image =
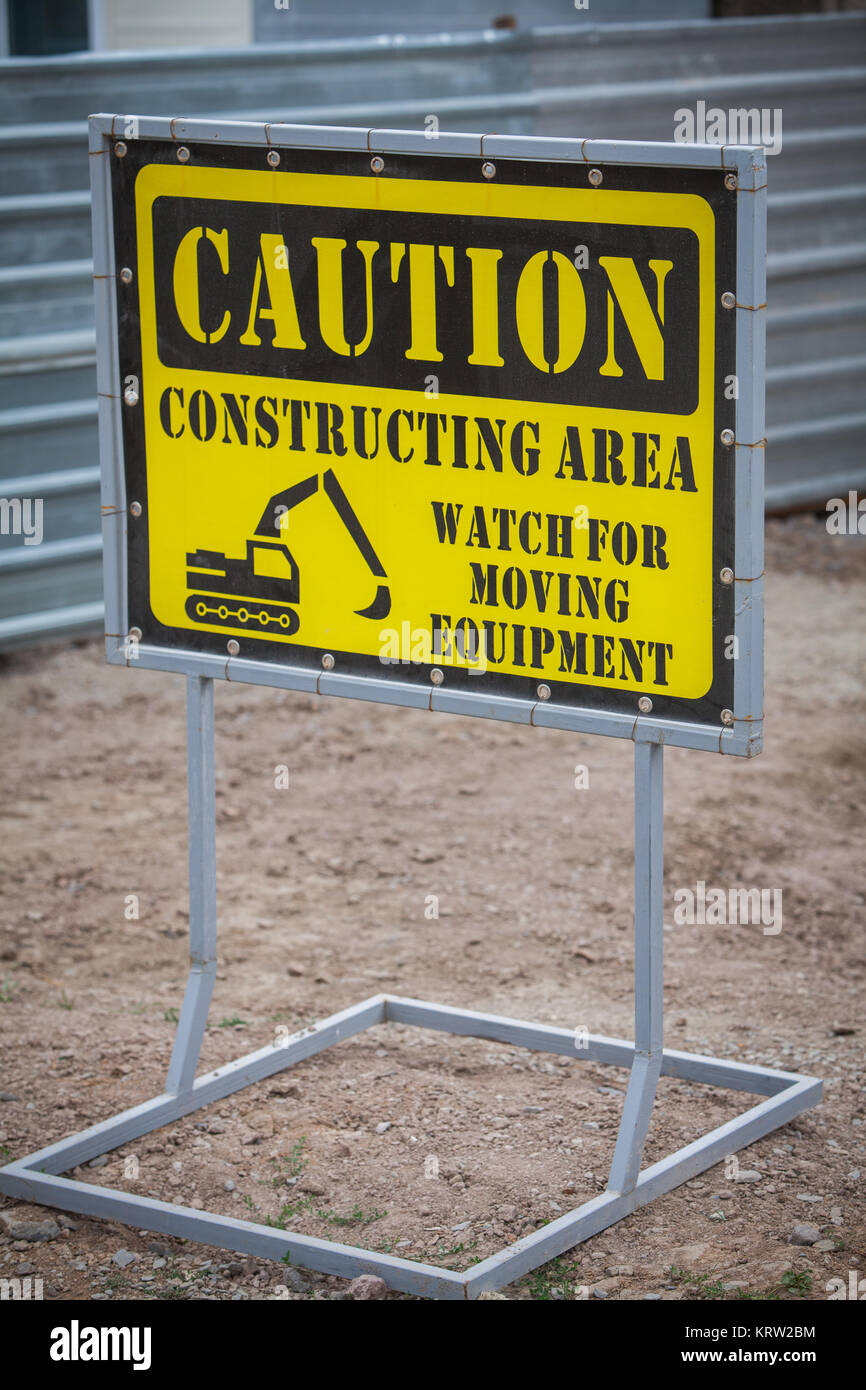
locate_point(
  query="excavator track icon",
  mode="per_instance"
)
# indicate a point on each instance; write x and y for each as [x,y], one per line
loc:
[235,592]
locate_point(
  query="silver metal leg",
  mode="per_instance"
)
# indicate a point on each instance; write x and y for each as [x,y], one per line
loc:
[202,884]
[648,965]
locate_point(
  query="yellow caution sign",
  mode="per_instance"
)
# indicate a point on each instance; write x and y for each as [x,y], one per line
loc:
[435,421]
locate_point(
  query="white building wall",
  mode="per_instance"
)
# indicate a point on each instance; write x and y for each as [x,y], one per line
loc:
[136,24]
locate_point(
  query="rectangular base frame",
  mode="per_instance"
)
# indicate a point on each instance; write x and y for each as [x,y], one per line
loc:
[38,1177]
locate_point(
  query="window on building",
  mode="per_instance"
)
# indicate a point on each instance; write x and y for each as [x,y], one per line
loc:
[42,28]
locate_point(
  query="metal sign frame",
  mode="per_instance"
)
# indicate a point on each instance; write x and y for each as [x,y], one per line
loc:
[38,1177]
[744,167]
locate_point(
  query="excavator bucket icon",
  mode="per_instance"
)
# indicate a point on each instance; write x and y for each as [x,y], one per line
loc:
[255,591]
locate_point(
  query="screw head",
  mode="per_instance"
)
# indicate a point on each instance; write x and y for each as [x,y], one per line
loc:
[273,158]
[135,509]
[130,395]
[726,575]
[731,182]
[488,170]
[135,634]
[544,692]
[120,149]
[727,437]
[232,647]
[436,676]
[644,704]
[729,300]
[126,275]
[182,153]
[377,164]
[327,662]
[727,716]
[595,177]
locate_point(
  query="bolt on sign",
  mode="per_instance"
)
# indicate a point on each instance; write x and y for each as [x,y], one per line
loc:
[461,423]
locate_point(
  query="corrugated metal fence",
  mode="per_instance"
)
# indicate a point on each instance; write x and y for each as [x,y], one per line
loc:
[611,81]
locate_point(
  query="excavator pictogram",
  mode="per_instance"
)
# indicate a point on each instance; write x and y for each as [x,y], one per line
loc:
[255,591]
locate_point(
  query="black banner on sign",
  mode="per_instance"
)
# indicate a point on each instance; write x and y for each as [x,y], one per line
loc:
[510,309]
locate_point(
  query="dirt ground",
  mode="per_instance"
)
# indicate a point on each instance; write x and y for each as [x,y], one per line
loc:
[440,1149]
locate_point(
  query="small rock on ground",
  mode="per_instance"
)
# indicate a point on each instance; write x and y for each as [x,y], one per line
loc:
[367,1287]
[295,1281]
[21,1228]
[804,1235]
